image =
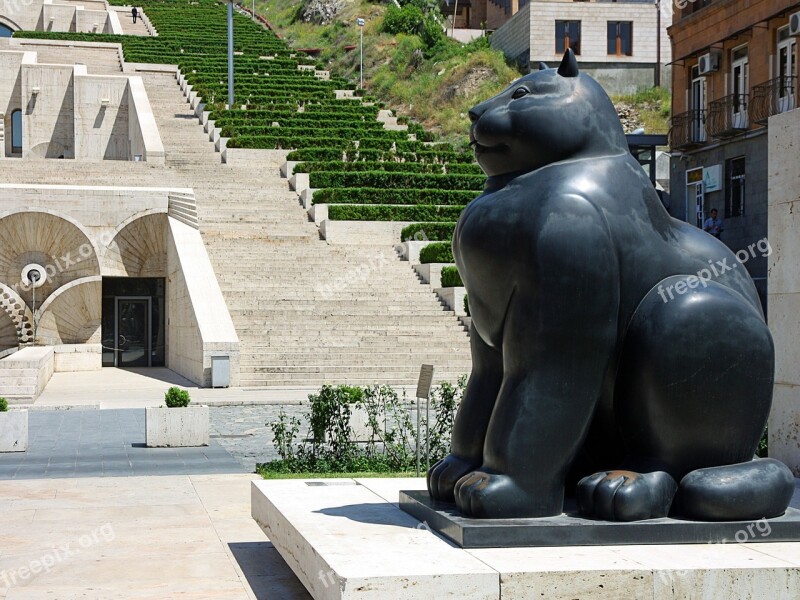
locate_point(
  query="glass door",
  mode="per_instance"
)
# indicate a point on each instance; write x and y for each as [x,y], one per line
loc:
[739,78]
[133,332]
[786,70]
[698,106]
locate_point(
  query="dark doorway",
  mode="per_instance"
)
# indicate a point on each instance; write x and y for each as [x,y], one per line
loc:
[134,329]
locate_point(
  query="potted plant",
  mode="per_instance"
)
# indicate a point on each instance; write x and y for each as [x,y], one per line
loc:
[13,429]
[177,424]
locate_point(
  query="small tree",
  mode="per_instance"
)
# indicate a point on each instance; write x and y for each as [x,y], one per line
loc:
[176,398]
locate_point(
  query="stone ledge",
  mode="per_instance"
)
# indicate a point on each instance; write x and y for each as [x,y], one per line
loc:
[348,539]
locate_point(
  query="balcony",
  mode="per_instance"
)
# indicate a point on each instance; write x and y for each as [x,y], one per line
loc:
[773,98]
[688,130]
[728,117]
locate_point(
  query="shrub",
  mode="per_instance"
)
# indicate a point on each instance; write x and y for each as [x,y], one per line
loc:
[451,277]
[402,20]
[422,212]
[3,405]
[440,252]
[176,398]
[466,305]
[428,232]
[391,431]
[393,196]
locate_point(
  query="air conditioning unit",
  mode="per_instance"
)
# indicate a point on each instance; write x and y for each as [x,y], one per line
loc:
[709,63]
[794,24]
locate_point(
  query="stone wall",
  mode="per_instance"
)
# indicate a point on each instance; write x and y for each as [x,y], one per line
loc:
[199,325]
[48,110]
[101,118]
[514,37]
[784,285]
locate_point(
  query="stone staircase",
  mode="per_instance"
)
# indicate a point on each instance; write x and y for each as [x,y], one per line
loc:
[98,61]
[128,26]
[307,313]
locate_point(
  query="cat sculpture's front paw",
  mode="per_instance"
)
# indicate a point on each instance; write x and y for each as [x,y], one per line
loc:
[626,496]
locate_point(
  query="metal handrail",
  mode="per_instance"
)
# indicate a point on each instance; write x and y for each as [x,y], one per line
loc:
[773,97]
[688,129]
[728,116]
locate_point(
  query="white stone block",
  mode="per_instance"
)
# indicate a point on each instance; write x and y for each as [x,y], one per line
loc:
[410,250]
[344,541]
[454,298]
[176,427]
[14,431]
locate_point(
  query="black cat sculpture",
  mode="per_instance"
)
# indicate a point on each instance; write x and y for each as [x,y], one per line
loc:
[613,346]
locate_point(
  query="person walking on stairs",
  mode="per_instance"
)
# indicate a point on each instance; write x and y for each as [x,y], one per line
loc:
[135,13]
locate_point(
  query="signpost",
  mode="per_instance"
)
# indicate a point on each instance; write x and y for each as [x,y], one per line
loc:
[424,392]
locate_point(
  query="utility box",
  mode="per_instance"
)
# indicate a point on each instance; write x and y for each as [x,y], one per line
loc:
[220,371]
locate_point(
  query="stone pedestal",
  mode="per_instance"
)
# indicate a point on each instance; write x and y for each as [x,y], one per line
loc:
[349,539]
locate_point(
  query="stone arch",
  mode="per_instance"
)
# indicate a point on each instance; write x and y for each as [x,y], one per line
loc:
[72,314]
[12,25]
[139,247]
[56,242]
[20,314]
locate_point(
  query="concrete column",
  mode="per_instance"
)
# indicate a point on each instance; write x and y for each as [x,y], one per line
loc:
[784,286]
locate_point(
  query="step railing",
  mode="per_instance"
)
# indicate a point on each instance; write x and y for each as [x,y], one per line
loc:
[183,207]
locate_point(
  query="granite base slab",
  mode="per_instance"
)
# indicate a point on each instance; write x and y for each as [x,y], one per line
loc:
[569,529]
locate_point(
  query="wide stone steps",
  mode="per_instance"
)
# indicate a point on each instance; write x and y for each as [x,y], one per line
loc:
[307,313]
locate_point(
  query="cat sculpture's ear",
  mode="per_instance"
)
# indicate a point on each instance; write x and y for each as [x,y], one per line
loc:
[569,65]
[543,66]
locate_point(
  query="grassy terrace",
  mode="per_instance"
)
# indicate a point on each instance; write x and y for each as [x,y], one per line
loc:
[362,170]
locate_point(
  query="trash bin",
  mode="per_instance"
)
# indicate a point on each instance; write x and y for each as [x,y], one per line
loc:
[220,371]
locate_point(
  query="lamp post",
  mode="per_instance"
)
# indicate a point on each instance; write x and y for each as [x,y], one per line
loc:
[230,54]
[361,47]
[658,43]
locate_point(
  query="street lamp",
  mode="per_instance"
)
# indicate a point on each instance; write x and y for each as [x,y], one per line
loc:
[230,54]
[361,23]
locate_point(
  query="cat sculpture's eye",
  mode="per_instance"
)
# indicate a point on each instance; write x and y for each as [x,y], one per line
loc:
[520,92]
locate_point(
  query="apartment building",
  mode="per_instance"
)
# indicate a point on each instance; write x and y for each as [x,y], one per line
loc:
[734,66]
[624,44]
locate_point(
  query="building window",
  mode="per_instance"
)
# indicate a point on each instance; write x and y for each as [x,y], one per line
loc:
[568,35]
[620,38]
[735,176]
[16,131]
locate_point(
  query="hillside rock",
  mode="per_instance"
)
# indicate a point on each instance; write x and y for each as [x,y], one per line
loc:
[321,12]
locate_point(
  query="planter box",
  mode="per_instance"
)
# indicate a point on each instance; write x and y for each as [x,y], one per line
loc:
[14,431]
[176,427]
[454,298]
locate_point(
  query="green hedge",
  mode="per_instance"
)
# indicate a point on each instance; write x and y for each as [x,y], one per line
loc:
[392,196]
[383,179]
[393,213]
[451,277]
[428,231]
[439,252]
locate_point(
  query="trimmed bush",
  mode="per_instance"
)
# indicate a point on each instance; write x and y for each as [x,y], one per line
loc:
[428,232]
[451,277]
[466,305]
[3,405]
[383,179]
[440,252]
[394,197]
[176,398]
[421,212]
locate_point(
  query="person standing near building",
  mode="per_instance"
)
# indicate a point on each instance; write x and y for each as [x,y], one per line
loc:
[135,13]
[713,225]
